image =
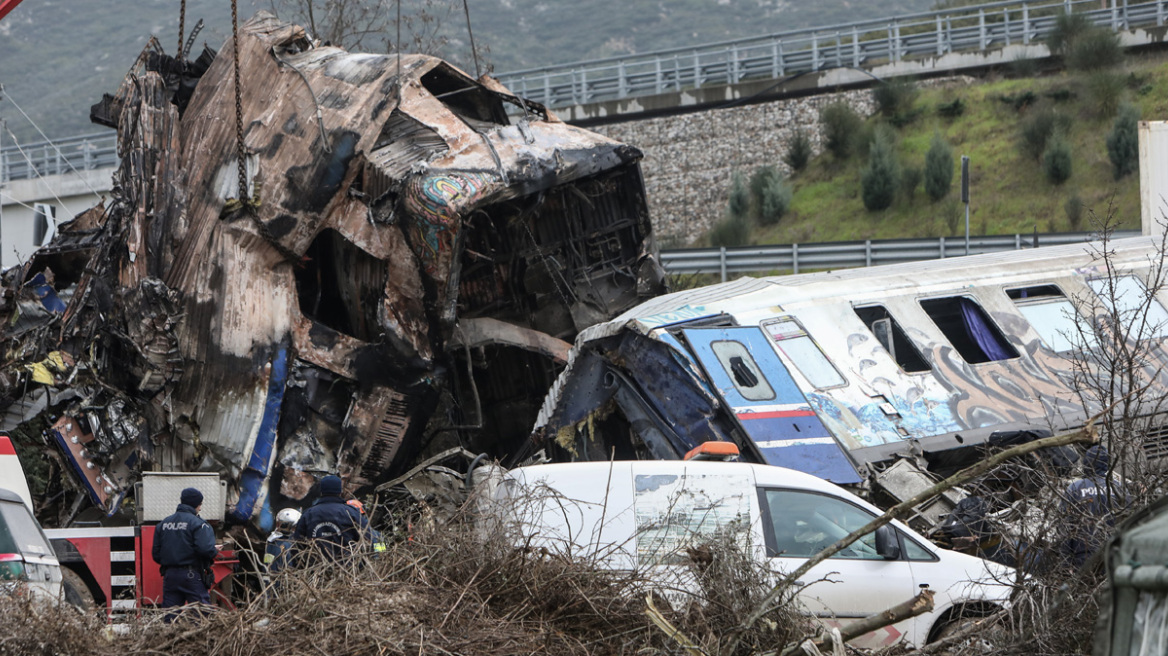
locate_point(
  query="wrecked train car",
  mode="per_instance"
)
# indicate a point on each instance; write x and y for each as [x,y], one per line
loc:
[865,376]
[407,253]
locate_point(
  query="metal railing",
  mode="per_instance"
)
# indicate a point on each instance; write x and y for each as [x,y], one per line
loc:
[41,158]
[963,29]
[853,254]
[932,34]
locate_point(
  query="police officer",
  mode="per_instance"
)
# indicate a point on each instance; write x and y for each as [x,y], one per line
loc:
[1090,503]
[184,545]
[331,524]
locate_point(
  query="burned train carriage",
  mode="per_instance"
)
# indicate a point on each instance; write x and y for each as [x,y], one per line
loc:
[408,252]
[840,374]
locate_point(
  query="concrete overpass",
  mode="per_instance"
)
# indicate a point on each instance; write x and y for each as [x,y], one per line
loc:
[42,183]
[812,61]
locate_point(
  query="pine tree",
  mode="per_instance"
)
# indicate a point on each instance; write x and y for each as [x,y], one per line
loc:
[882,175]
[1123,142]
[938,168]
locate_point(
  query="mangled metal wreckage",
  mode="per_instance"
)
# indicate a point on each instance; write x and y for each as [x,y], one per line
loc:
[408,263]
[882,378]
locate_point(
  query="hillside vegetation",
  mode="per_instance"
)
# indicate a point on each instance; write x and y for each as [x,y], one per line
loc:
[988,119]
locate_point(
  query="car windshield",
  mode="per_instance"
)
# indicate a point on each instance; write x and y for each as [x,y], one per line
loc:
[19,532]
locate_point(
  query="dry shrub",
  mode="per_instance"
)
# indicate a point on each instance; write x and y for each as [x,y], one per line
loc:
[732,585]
[447,588]
[34,628]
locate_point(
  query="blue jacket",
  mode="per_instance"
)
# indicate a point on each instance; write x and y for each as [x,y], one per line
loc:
[334,525]
[183,540]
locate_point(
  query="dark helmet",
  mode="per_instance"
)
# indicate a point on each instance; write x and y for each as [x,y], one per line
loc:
[1097,461]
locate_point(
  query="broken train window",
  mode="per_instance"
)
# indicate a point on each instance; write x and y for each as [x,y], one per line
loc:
[558,260]
[1053,317]
[794,342]
[473,103]
[748,378]
[893,338]
[1133,305]
[969,329]
[341,286]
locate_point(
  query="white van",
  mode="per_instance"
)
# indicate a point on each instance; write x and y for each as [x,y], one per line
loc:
[640,515]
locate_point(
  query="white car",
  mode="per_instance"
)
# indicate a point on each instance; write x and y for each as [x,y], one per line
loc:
[640,515]
[28,564]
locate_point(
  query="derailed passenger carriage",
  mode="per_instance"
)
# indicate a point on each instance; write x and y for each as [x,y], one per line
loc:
[865,376]
[408,255]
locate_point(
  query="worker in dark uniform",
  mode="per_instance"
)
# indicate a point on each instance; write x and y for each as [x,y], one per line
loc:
[184,546]
[331,524]
[1089,504]
[279,547]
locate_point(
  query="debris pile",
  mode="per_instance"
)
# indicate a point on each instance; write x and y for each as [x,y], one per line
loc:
[325,268]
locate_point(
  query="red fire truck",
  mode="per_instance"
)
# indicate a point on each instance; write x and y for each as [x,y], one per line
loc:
[110,567]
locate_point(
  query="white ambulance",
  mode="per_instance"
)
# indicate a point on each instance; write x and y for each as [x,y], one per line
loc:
[28,564]
[641,515]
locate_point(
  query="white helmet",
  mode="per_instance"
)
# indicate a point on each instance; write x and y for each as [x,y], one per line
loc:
[288,516]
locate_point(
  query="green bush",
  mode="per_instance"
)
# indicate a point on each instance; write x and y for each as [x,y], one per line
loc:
[739,197]
[776,200]
[895,98]
[1074,210]
[840,125]
[951,109]
[881,177]
[938,168]
[1123,143]
[1037,127]
[759,180]
[910,179]
[1056,159]
[798,152]
[731,231]
[1096,49]
[1067,29]
[1104,93]
[904,118]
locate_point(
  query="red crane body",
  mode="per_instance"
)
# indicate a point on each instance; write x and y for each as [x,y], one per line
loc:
[7,6]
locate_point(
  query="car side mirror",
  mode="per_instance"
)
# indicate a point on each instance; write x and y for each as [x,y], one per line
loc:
[887,546]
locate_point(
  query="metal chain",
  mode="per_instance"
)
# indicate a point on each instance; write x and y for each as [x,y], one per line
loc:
[182,23]
[241,151]
[473,50]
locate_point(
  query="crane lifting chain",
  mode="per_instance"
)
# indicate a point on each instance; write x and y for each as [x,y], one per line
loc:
[182,23]
[241,201]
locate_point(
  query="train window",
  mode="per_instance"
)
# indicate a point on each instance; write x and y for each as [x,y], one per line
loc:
[1053,317]
[892,337]
[804,353]
[1135,306]
[969,329]
[744,372]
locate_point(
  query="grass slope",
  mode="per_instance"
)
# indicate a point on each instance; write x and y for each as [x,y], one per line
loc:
[1009,191]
